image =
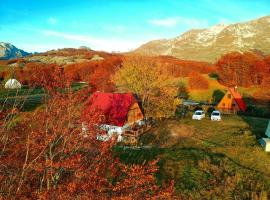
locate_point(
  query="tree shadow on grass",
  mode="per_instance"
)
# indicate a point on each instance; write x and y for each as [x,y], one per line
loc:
[190,155]
[256,125]
[186,166]
[217,95]
[29,103]
[256,116]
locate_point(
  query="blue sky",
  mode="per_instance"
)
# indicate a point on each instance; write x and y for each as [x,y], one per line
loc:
[114,25]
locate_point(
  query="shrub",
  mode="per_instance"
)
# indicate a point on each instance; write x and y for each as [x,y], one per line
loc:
[256,111]
[197,82]
[213,75]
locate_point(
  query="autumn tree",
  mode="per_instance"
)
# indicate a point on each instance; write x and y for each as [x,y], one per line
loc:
[101,79]
[262,96]
[197,82]
[242,69]
[266,80]
[37,74]
[174,67]
[182,91]
[141,76]
[80,71]
[97,73]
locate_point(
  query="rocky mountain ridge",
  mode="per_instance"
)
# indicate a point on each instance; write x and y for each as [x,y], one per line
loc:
[210,43]
[8,51]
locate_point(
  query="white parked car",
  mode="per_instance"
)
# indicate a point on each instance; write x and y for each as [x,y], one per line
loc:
[215,116]
[198,115]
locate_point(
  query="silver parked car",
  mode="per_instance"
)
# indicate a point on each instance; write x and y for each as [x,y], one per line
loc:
[198,115]
[215,116]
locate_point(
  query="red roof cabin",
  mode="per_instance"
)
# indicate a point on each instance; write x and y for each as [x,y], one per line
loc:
[117,110]
[232,102]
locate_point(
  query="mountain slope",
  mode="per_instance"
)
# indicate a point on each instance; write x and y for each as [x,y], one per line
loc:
[8,51]
[209,44]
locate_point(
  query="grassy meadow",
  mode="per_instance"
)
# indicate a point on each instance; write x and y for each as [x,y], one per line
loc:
[189,149]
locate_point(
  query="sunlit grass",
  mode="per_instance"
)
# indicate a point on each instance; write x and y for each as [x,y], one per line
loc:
[232,140]
[214,86]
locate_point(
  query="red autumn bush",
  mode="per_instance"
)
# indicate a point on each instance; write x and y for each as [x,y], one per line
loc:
[197,82]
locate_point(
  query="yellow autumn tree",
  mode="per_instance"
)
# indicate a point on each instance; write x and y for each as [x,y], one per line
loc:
[142,76]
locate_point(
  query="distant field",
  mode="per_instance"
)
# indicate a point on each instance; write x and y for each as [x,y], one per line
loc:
[181,145]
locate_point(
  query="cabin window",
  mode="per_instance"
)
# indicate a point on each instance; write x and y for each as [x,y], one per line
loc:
[223,104]
[229,96]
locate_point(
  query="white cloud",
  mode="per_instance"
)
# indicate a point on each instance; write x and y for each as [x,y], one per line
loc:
[38,47]
[179,21]
[52,21]
[193,23]
[115,28]
[168,22]
[95,42]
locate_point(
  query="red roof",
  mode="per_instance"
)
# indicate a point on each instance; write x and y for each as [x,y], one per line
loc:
[114,106]
[238,98]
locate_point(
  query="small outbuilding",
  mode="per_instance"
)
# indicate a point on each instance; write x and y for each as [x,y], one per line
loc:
[232,102]
[13,84]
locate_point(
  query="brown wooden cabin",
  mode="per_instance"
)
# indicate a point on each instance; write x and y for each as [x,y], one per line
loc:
[119,111]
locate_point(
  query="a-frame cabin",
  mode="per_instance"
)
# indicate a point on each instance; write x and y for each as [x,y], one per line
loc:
[232,102]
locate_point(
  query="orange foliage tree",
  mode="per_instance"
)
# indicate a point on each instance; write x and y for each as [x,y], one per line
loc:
[182,68]
[97,73]
[197,82]
[39,74]
[266,80]
[242,69]
[81,71]
[101,78]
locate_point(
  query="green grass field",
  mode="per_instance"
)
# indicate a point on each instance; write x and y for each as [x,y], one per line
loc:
[184,146]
